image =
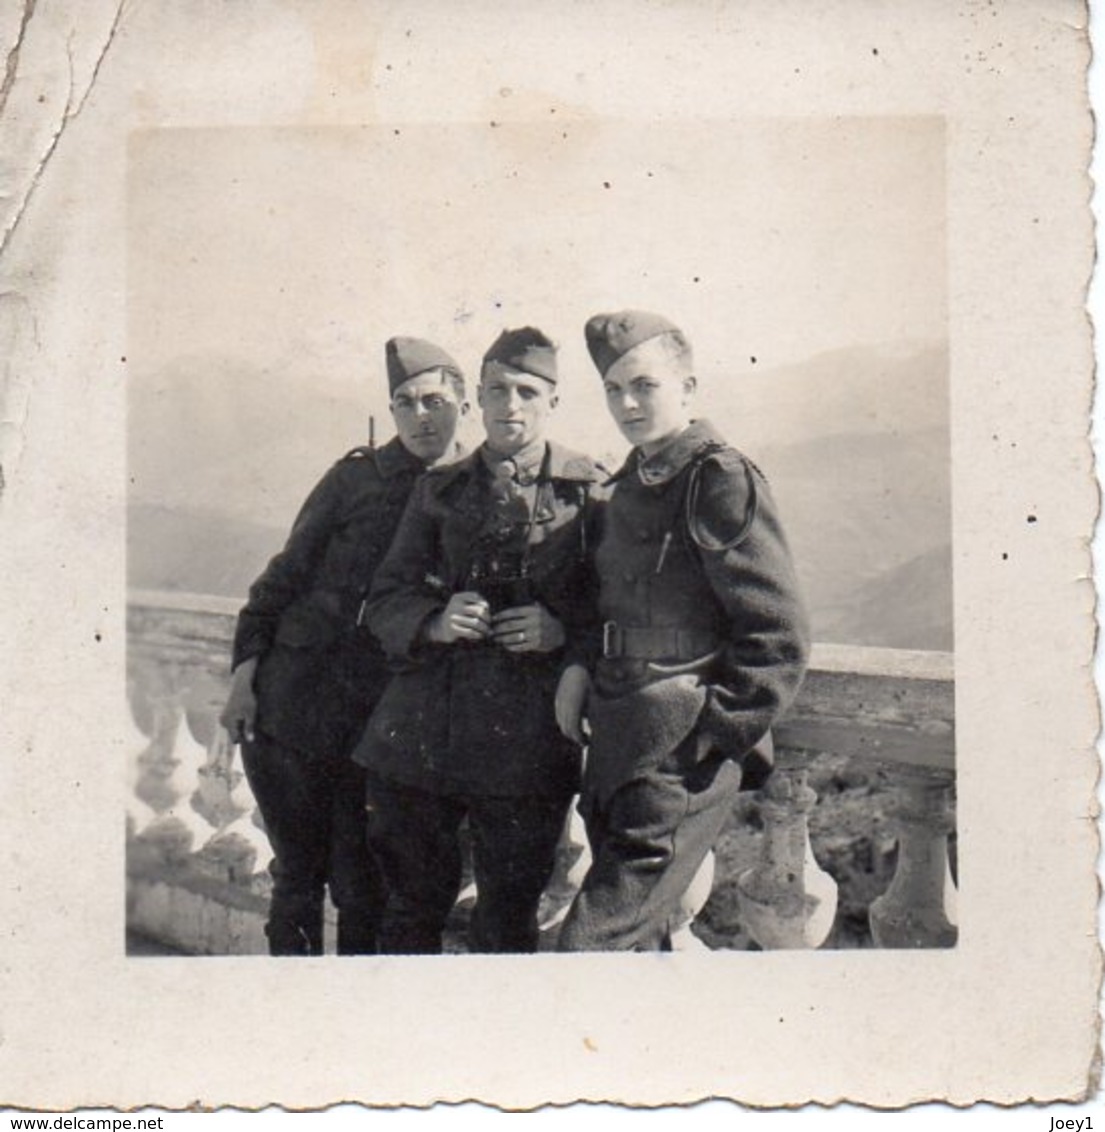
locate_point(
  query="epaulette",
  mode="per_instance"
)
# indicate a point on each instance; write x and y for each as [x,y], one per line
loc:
[726,457]
[360,453]
[582,468]
[567,464]
[736,458]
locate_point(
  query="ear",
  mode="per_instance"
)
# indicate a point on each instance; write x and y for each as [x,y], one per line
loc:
[463,407]
[554,400]
[479,394]
[690,386]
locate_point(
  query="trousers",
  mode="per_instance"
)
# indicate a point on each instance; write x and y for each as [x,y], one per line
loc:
[415,837]
[313,809]
[648,841]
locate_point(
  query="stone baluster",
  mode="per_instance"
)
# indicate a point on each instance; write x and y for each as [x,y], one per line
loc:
[139,814]
[692,902]
[163,710]
[573,859]
[218,798]
[787,900]
[241,846]
[918,909]
[244,804]
[180,829]
[192,879]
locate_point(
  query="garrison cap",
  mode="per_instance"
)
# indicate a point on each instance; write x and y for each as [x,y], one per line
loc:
[526,349]
[609,336]
[408,357]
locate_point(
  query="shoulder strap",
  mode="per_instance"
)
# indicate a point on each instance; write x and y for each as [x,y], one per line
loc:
[690,503]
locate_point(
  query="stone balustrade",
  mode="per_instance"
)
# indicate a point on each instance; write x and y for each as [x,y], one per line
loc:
[894,711]
[197,857]
[197,861]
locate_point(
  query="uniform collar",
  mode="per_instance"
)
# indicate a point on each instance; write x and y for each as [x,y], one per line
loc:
[564,464]
[561,464]
[395,458]
[666,464]
[523,467]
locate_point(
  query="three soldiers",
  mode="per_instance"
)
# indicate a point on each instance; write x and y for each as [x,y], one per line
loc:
[521,605]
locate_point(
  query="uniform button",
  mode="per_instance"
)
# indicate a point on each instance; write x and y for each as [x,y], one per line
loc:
[628,576]
[644,534]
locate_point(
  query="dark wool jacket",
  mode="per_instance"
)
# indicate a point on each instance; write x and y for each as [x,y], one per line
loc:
[319,674]
[471,717]
[692,544]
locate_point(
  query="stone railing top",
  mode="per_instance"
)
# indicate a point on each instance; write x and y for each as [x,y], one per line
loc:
[895,707]
[901,664]
[857,660]
[180,602]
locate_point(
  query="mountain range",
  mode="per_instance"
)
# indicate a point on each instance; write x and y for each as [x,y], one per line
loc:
[855,445]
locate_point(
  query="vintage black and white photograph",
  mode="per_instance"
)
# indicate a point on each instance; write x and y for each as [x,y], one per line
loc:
[552,556]
[628,602]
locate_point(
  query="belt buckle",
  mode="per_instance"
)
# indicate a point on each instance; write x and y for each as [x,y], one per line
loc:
[610,642]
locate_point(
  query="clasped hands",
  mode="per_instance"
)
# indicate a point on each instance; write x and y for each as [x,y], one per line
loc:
[522,628]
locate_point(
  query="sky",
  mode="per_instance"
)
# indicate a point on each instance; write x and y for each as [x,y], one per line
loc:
[303,250]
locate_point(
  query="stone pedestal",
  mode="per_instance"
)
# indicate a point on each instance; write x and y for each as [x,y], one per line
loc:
[918,909]
[787,900]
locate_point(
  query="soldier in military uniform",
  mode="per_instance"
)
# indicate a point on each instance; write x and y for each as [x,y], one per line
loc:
[307,673]
[487,580]
[705,642]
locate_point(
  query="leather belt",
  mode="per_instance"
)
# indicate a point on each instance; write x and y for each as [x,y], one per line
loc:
[635,643]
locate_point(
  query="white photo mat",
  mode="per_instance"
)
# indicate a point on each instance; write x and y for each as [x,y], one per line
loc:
[1009,1014]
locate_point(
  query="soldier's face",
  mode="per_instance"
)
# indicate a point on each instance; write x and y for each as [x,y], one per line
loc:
[426,411]
[649,399]
[516,407]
